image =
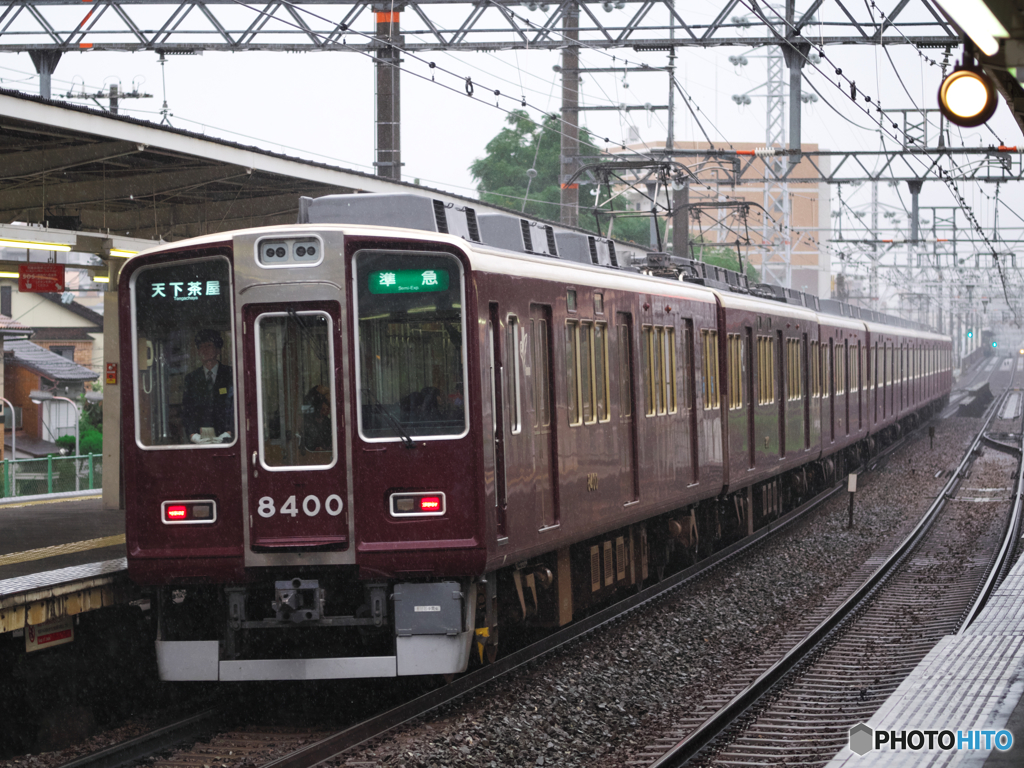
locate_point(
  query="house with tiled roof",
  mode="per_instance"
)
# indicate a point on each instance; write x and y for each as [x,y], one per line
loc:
[61,324]
[28,366]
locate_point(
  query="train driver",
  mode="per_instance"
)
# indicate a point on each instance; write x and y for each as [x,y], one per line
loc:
[318,427]
[208,410]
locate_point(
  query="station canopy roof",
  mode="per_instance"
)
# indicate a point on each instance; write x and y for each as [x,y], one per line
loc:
[76,169]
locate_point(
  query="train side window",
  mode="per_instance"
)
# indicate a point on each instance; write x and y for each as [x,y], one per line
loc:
[572,381]
[601,371]
[766,370]
[658,364]
[541,374]
[670,370]
[825,389]
[689,379]
[512,361]
[646,351]
[813,362]
[842,353]
[587,372]
[855,369]
[711,386]
[734,363]
[759,362]
[625,382]
[794,372]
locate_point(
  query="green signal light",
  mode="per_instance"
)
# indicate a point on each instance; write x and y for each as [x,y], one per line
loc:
[970,333]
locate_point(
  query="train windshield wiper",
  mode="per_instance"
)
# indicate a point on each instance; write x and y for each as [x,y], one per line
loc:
[378,408]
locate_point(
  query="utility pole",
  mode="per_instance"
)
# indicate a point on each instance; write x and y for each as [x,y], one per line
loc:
[875,256]
[570,192]
[795,55]
[387,64]
[45,63]
[775,233]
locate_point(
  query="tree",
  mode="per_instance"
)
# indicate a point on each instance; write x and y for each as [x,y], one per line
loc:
[504,179]
[503,174]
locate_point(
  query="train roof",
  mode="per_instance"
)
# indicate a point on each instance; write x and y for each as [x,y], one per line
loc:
[498,242]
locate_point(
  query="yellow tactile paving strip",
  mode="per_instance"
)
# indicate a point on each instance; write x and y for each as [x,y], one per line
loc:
[61,549]
[47,501]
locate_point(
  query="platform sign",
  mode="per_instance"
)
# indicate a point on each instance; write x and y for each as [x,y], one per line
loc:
[41,278]
[111,373]
[49,634]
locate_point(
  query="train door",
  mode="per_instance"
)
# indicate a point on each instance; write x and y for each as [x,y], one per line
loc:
[544,452]
[295,487]
[626,369]
[497,418]
[751,431]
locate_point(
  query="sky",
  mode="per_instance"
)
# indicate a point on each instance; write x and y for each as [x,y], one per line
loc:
[321,106]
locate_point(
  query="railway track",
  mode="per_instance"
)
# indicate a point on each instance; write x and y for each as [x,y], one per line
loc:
[850,654]
[316,749]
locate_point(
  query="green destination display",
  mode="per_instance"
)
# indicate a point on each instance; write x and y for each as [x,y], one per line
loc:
[409,281]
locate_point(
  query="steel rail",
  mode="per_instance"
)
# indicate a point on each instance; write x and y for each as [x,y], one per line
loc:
[714,726]
[207,722]
[145,745]
[1004,559]
[380,724]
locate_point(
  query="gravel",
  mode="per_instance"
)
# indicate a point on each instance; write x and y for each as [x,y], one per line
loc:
[604,699]
[601,701]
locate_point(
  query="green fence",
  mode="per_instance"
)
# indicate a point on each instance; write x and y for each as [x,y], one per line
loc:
[54,474]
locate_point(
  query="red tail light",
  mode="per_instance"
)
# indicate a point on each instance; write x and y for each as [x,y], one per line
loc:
[430,503]
[189,512]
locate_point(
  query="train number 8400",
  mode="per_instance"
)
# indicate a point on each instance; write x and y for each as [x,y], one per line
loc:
[310,506]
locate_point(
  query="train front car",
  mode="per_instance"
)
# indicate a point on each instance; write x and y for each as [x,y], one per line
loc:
[299,484]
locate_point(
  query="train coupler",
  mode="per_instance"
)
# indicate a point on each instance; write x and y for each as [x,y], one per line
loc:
[298,600]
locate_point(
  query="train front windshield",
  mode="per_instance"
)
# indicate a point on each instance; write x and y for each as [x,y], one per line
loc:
[412,352]
[184,381]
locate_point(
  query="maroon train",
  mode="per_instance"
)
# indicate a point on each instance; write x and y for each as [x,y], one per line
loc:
[357,450]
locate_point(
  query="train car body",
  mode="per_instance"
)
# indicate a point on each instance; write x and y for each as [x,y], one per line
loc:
[357,451]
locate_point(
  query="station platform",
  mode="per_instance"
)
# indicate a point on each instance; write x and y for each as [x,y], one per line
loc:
[59,557]
[969,684]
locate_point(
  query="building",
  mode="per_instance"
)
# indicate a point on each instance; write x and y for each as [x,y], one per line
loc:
[61,324]
[27,367]
[798,255]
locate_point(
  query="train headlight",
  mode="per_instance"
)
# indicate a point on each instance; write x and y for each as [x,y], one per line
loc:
[967,96]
